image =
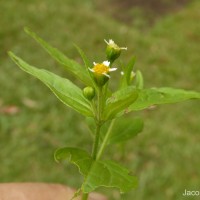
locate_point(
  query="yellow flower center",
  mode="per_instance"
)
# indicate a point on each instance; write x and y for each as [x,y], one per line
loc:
[101,69]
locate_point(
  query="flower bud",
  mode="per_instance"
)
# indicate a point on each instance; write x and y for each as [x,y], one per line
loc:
[113,51]
[89,93]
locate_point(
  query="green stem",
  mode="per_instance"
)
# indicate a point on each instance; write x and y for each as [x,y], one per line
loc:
[104,143]
[98,119]
[98,122]
[96,142]
[85,196]
[99,104]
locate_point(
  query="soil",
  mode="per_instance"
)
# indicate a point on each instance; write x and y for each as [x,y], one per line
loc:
[126,10]
[40,191]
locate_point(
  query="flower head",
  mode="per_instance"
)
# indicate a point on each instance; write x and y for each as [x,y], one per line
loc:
[113,51]
[101,72]
[112,44]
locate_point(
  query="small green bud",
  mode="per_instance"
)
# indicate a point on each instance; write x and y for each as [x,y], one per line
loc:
[89,93]
[113,51]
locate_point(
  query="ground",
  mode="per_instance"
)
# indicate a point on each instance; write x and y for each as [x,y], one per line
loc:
[126,10]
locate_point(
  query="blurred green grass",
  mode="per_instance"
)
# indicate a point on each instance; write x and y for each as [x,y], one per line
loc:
[165,156]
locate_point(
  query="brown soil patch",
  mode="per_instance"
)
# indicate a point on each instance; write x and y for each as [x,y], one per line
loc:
[40,191]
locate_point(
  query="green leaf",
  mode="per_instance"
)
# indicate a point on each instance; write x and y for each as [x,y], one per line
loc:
[139,82]
[119,101]
[77,156]
[86,62]
[64,89]
[84,57]
[127,70]
[76,69]
[108,174]
[156,96]
[97,173]
[125,130]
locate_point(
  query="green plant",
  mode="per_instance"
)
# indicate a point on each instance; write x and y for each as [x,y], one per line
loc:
[97,101]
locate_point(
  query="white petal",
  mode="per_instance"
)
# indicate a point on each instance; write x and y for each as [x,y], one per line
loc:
[106,75]
[124,48]
[112,69]
[111,41]
[122,73]
[94,63]
[91,69]
[106,63]
[106,42]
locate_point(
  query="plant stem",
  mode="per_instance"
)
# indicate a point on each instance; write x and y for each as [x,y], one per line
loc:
[96,142]
[98,122]
[98,113]
[99,104]
[85,196]
[103,145]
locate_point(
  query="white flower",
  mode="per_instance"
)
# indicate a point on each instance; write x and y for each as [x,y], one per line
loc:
[102,68]
[112,44]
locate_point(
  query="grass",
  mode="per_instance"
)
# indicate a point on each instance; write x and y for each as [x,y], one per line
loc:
[164,157]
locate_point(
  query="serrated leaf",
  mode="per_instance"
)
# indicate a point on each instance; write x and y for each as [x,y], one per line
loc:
[108,174]
[65,90]
[156,96]
[97,173]
[75,68]
[119,101]
[125,130]
[77,156]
